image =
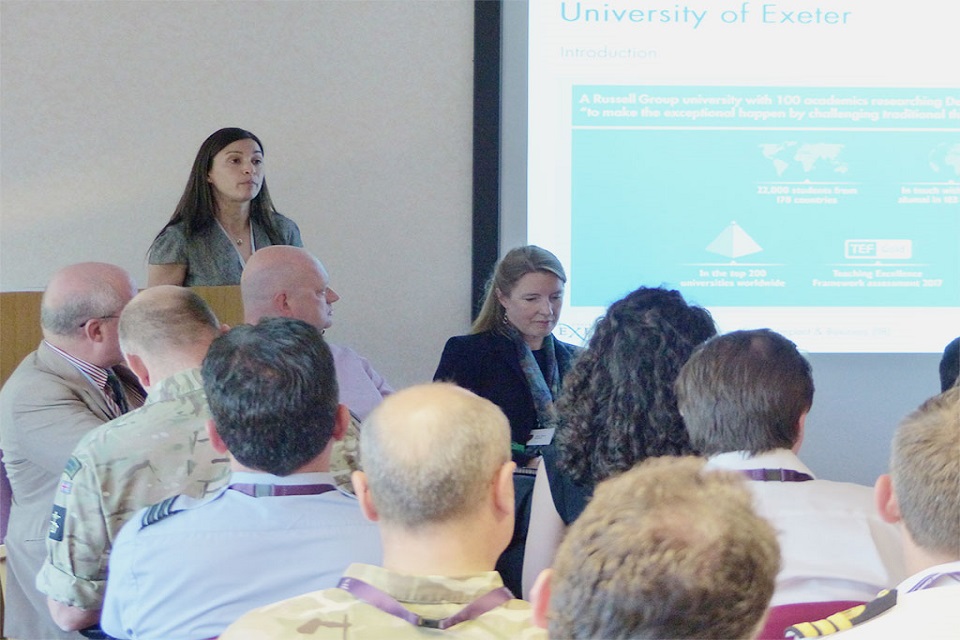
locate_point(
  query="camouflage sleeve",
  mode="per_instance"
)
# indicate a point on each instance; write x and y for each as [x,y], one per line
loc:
[345,457]
[75,569]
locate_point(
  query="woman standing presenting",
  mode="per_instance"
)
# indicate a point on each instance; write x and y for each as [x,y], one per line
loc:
[224,215]
[511,357]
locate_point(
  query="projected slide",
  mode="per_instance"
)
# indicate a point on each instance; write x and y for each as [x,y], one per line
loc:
[726,191]
[775,184]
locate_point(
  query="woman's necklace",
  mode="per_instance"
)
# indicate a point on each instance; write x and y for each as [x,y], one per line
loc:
[236,239]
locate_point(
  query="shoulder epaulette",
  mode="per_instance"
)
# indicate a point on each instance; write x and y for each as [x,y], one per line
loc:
[843,620]
[159,511]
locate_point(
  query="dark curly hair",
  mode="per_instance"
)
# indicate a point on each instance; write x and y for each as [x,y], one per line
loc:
[618,405]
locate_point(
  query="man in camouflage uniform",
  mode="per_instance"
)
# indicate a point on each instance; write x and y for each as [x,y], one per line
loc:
[438,480]
[144,456]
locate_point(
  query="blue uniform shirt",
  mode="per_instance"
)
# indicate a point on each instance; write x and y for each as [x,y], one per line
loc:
[192,573]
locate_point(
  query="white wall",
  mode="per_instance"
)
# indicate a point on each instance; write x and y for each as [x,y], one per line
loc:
[364,109]
[859,400]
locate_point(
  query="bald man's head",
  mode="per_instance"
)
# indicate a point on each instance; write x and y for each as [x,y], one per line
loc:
[80,307]
[430,453]
[288,282]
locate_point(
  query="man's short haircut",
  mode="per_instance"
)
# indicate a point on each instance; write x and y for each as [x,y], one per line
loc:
[439,468]
[925,468]
[174,321]
[744,391]
[97,300]
[950,365]
[665,550]
[273,393]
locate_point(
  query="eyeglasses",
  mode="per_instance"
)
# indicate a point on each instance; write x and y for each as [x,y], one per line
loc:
[84,323]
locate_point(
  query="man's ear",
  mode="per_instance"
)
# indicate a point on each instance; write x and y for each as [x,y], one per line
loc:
[503,489]
[93,331]
[886,499]
[280,303]
[362,490]
[801,425]
[139,368]
[341,422]
[215,440]
[540,598]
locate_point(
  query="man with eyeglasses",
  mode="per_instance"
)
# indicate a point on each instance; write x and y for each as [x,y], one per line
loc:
[72,383]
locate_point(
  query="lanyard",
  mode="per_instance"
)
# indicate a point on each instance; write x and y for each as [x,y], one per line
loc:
[269,490]
[777,475]
[385,602]
[933,577]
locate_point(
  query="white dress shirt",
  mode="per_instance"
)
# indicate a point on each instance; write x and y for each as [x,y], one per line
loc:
[833,544]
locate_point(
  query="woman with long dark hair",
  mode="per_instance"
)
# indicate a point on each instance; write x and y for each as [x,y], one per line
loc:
[224,215]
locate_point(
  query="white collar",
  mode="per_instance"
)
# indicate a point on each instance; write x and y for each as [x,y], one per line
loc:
[935,576]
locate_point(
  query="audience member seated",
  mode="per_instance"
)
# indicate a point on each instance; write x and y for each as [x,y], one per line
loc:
[921,495]
[288,282]
[665,550]
[950,365]
[617,408]
[512,359]
[438,481]
[72,383]
[187,568]
[744,397]
[224,215]
[142,457]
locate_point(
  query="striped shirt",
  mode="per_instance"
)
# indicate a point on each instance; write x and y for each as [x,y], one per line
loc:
[98,377]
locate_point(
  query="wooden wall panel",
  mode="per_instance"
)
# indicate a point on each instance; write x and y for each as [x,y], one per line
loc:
[20,321]
[19,328]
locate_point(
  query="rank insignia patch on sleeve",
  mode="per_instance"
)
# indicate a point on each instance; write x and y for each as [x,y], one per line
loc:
[56,522]
[73,465]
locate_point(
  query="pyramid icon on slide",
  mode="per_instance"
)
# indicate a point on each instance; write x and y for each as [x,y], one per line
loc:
[733,242]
